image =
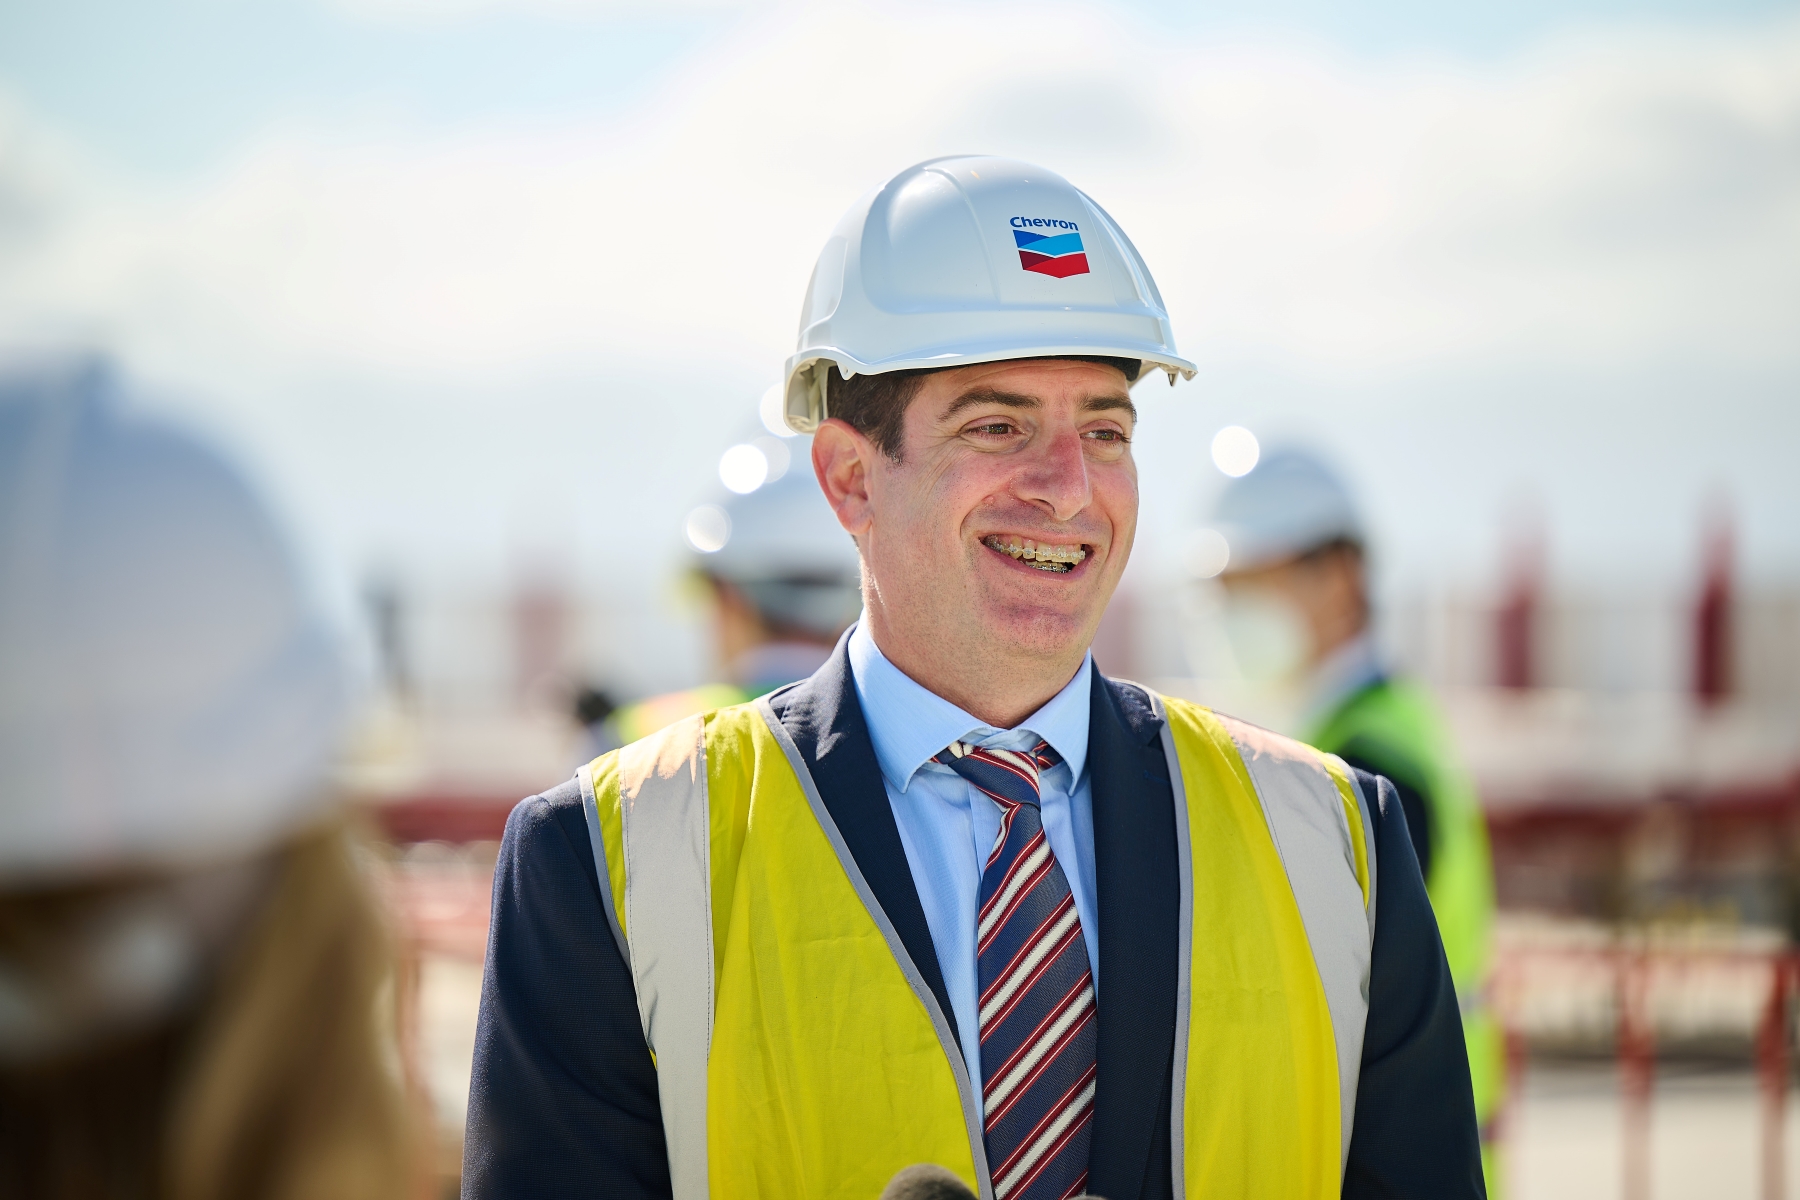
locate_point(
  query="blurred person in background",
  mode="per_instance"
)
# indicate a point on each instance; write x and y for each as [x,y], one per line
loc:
[1297,611]
[192,965]
[956,897]
[782,588]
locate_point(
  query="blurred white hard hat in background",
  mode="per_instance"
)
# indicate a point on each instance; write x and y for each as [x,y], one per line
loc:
[784,549]
[169,695]
[970,260]
[1289,503]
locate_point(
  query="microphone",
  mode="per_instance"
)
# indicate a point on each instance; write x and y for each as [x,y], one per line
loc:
[928,1181]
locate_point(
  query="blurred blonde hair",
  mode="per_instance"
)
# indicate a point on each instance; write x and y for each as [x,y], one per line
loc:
[295,1091]
[284,1083]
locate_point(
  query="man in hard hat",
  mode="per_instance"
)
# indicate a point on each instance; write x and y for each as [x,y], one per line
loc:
[1295,563]
[956,898]
[782,587]
[192,962]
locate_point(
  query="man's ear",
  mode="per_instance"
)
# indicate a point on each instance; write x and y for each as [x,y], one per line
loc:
[841,459]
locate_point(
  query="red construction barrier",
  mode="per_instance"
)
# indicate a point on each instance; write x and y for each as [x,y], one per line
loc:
[1772,1072]
[1635,968]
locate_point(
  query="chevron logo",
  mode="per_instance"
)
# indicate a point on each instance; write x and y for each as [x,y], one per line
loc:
[1057,254]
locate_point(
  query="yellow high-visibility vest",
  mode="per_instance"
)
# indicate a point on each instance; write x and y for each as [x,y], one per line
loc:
[799,1052]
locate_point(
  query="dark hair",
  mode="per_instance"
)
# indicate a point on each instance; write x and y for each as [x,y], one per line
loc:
[875,405]
[593,706]
[1340,544]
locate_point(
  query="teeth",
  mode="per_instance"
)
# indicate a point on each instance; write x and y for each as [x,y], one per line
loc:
[1046,557]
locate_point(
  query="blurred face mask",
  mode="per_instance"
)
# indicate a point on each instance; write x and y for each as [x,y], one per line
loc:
[112,962]
[1267,635]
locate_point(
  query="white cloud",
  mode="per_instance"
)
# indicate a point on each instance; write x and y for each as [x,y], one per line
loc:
[1595,201]
[438,12]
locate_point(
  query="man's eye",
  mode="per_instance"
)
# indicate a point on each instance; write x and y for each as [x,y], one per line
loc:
[994,429]
[1107,435]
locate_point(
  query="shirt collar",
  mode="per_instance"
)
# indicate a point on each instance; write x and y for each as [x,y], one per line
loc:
[909,724]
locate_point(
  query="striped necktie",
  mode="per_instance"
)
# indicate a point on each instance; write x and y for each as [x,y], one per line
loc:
[1038,1033]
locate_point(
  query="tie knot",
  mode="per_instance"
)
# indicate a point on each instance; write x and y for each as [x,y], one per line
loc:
[1009,776]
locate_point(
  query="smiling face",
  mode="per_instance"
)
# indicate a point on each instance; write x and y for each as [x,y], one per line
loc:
[991,548]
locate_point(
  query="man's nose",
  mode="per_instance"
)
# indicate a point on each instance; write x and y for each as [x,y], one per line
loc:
[1055,476]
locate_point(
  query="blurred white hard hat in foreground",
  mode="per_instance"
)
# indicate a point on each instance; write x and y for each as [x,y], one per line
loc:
[969,260]
[1289,503]
[169,696]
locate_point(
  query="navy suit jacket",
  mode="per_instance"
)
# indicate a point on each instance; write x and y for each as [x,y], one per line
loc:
[563,1095]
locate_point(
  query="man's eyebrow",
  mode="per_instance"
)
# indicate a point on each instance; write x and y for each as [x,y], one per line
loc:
[1103,403]
[981,396]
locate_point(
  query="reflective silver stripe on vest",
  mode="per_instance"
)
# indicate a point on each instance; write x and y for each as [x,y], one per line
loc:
[964,1089]
[1184,962]
[1312,835]
[668,923]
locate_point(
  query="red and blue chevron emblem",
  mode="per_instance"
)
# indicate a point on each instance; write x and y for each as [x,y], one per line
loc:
[1060,255]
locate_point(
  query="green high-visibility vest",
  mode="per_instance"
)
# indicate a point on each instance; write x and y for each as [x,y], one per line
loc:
[1394,728]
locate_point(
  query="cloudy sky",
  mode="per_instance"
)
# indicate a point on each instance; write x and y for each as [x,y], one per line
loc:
[477,281]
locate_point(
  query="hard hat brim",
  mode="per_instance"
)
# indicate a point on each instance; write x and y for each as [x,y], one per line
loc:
[805,407]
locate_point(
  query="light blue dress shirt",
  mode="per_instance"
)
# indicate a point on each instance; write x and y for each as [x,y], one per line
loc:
[948,827]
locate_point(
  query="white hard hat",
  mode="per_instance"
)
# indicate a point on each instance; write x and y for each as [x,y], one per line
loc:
[786,551]
[1290,503]
[784,529]
[168,697]
[971,260]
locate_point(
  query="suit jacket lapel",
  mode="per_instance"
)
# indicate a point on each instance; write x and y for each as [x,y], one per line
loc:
[1139,883]
[826,720]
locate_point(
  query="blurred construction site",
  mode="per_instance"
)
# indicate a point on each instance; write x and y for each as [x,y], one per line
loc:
[485,295]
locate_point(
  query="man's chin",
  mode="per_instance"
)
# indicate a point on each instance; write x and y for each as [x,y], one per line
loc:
[1037,632]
